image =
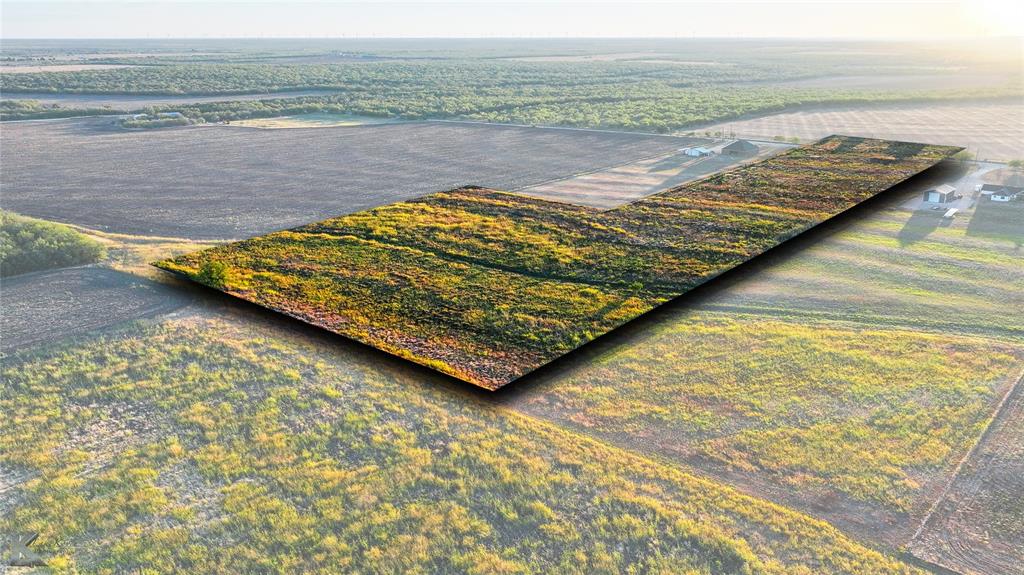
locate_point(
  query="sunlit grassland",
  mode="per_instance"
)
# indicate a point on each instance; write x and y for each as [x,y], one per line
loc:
[873,414]
[488,286]
[978,525]
[852,374]
[217,444]
[940,279]
[132,253]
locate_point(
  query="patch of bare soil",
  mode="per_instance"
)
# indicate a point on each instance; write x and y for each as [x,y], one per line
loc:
[222,182]
[620,185]
[989,129]
[50,306]
[1005,177]
[978,526]
[10,479]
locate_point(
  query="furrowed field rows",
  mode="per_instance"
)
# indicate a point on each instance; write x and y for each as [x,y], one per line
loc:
[800,415]
[626,183]
[50,306]
[990,129]
[252,181]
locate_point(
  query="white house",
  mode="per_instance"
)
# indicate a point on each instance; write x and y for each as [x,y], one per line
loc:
[696,151]
[999,193]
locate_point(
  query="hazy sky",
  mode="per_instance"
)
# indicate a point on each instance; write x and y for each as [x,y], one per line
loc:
[751,18]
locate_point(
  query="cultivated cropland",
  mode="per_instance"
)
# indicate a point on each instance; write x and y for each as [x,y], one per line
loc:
[849,402]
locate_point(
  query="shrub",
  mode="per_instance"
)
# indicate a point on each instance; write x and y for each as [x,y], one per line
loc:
[28,245]
[213,274]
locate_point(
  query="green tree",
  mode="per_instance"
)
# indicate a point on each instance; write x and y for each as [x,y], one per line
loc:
[28,245]
[963,156]
[213,273]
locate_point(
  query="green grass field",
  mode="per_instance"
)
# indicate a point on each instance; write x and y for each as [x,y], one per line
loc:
[852,375]
[870,413]
[487,286]
[833,388]
[222,444]
[801,417]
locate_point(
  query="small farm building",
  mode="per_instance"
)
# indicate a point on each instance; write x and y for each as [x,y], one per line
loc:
[941,195]
[740,147]
[696,151]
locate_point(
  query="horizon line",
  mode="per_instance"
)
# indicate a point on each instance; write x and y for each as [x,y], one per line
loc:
[692,37]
